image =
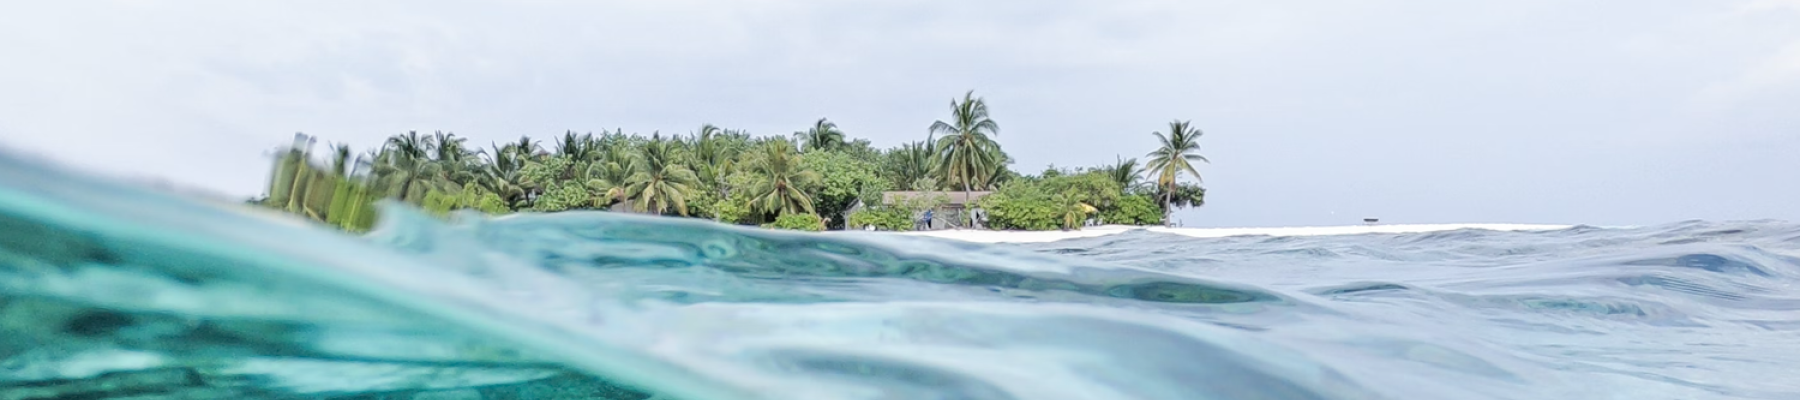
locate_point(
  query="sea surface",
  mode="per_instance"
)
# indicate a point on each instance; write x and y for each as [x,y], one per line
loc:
[112,292]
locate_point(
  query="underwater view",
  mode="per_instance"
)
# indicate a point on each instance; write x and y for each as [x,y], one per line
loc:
[114,292]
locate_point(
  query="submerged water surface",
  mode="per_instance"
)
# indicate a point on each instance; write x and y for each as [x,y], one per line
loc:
[109,292]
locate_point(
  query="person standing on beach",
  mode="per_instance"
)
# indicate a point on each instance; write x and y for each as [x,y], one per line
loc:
[928,220]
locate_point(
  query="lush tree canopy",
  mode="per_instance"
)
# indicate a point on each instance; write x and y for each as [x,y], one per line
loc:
[843,180]
[798,222]
[1055,199]
[809,180]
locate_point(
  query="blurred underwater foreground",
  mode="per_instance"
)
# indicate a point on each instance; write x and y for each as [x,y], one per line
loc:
[109,291]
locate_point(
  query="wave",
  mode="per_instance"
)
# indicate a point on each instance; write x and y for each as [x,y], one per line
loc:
[110,292]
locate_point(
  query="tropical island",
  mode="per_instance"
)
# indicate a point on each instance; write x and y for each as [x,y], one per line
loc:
[816,179]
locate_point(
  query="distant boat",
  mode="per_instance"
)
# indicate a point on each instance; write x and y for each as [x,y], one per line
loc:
[1371,221]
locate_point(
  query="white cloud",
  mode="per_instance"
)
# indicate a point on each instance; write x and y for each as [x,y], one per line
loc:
[1314,105]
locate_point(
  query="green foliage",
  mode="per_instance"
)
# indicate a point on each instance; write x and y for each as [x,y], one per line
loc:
[327,195]
[733,210]
[563,196]
[703,203]
[1134,209]
[779,180]
[731,176]
[798,222]
[1176,156]
[491,204]
[897,216]
[843,180]
[861,149]
[1188,195]
[1023,205]
[1124,172]
[358,213]
[1060,201]
[824,135]
[910,165]
[882,217]
[563,183]
[968,158]
[340,203]
[1093,188]
[543,173]
[440,203]
[659,182]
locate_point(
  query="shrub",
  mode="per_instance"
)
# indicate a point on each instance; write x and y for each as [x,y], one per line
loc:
[1052,202]
[1134,209]
[1096,189]
[563,196]
[1023,205]
[734,209]
[440,204]
[844,178]
[887,218]
[798,222]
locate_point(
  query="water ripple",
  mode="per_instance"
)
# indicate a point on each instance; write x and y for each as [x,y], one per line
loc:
[109,292]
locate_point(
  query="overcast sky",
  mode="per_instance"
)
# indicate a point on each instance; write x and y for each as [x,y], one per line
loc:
[1315,112]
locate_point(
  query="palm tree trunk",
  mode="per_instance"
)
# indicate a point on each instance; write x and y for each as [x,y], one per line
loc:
[968,217]
[340,200]
[297,193]
[281,182]
[406,187]
[353,204]
[1168,197]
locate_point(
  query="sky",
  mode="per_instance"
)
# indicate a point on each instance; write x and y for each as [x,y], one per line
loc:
[1315,112]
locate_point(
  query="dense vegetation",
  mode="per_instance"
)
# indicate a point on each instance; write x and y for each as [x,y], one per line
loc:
[807,181]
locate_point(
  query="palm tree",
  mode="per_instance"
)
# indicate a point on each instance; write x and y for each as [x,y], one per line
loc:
[290,165]
[780,180]
[405,167]
[824,135]
[356,213]
[1179,149]
[1124,172]
[338,180]
[303,174]
[580,148]
[342,159]
[911,162]
[501,171]
[1075,211]
[409,145]
[608,177]
[527,148]
[454,159]
[998,173]
[967,156]
[659,182]
[713,158]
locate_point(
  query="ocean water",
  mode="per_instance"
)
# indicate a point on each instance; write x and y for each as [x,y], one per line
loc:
[111,292]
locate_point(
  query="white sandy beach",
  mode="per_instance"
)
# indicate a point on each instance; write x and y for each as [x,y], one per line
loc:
[982,236]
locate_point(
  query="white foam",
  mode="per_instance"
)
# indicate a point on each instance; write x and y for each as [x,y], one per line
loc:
[983,236]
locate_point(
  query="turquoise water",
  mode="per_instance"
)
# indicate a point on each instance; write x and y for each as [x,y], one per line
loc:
[109,292]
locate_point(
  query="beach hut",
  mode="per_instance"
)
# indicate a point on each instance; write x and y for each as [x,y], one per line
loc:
[949,214]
